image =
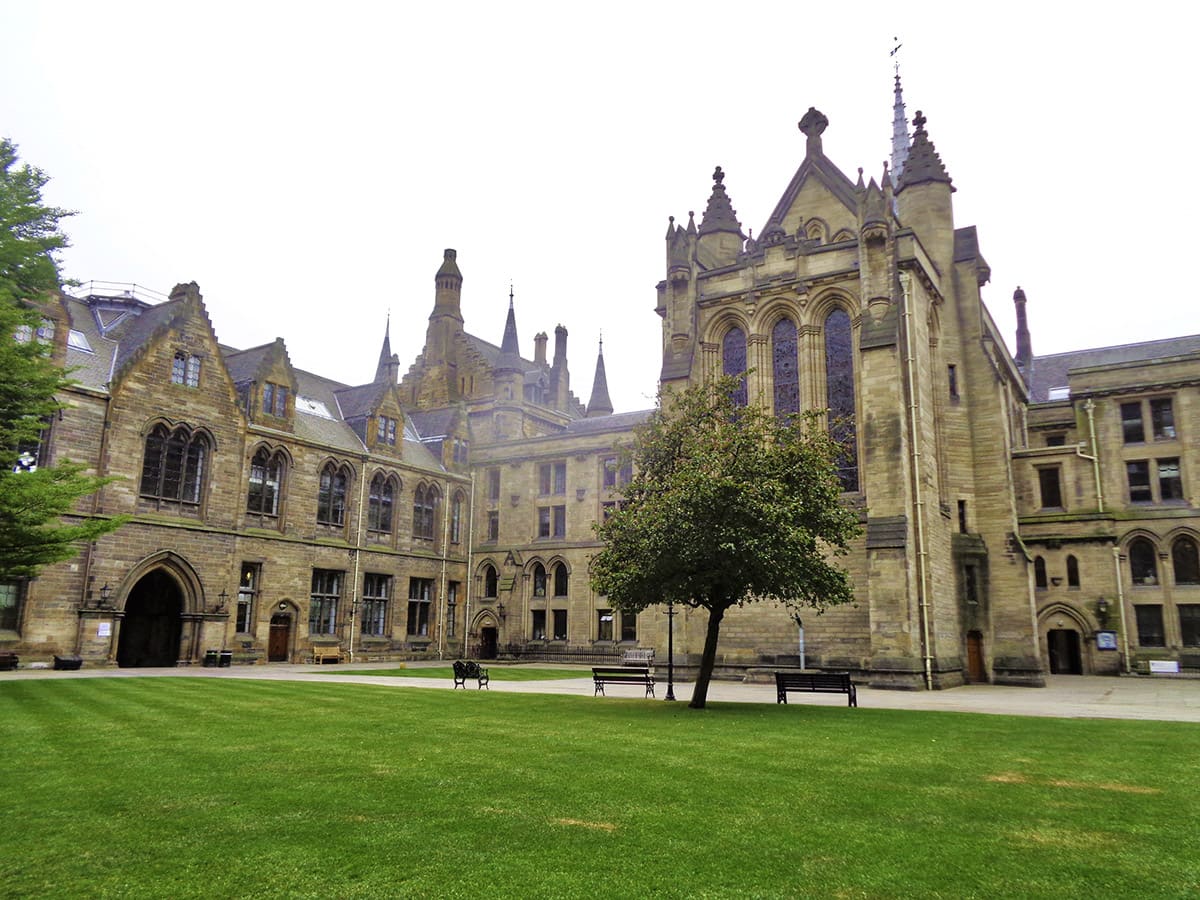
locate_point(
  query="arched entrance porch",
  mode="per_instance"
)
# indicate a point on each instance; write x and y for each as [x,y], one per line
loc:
[152,627]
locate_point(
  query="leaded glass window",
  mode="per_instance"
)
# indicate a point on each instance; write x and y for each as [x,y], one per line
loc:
[786,368]
[839,393]
[733,361]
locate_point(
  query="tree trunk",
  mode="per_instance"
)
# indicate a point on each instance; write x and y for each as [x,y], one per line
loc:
[708,658]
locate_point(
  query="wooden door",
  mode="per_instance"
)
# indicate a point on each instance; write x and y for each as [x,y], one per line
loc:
[975,671]
[281,632]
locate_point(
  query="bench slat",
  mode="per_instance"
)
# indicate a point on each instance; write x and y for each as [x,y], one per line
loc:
[602,675]
[815,682]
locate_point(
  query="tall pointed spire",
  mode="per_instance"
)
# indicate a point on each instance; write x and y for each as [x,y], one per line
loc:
[383,369]
[599,404]
[510,351]
[720,214]
[923,165]
[900,144]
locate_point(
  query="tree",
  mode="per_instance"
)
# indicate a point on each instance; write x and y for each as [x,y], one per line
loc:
[32,498]
[728,505]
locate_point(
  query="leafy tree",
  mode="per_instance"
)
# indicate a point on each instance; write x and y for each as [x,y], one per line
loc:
[32,499]
[728,505]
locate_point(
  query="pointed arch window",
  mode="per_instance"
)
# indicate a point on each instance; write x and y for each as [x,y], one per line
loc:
[456,510]
[839,394]
[1186,559]
[1143,562]
[539,580]
[380,503]
[1039,573]
[424,512]
[1072,572]
[733,361]
[266,481]
[491,584]
[331,495]
[562,581]
[785,368]
[174,465]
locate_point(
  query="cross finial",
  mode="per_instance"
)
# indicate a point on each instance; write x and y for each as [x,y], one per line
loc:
[718,175]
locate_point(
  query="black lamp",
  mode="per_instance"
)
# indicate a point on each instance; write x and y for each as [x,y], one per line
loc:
[105,593]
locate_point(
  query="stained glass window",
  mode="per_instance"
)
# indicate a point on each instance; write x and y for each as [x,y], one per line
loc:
[733,361]
[839,392]
[786,368]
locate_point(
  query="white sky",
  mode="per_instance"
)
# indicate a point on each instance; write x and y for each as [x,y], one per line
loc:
[307,164]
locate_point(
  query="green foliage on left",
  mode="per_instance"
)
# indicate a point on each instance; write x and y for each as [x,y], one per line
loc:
[32,503]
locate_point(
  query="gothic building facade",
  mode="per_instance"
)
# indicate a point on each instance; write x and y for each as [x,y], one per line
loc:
[1021,515]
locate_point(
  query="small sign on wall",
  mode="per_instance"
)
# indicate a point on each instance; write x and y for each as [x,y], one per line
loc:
[1106,640]
[104,629]
[1164,667]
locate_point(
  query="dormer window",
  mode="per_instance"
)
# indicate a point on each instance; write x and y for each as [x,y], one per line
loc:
[386,430]
[275,397]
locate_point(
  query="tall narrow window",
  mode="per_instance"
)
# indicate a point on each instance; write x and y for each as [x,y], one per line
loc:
[1048,481]
[376,590]
[424,506]
[380,504]
[560,625]
[952,380]
[1149,626]
[1162,419]
[1186,560]
[247,594]
[785,368]
[420,598]
[1189,624]
[451,607]
[266,477]
[490,581]
[1039,573]
[10,604]
[323,601]
[493,485]
[552,478]
[1131,423]
[628,626]
[331,495]
[1072,572]
[839,394]
[193,371]
[604,624]
[537,623]
[733,361]
[1138,473]
[562,580]
[1170,484]
[493,525]
[539,580]
[456,509]
[1143,562]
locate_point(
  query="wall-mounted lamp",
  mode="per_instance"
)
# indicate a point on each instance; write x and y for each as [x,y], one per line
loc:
[222,599]
[1102,612]
[105,593]
[501,611]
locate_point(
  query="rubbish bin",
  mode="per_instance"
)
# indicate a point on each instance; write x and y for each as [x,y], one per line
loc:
[68,663]
[226,659]
[210,659]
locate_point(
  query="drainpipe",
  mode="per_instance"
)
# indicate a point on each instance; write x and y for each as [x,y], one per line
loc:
[358,544]
[1121,606]
[470,579]
[447,511]
[915,462]
[1090,408]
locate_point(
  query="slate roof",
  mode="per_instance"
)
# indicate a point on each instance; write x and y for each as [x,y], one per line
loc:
[617,422]
[1053,371]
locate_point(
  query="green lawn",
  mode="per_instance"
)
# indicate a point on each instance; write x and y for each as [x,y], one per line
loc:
[495,673]
[178,787]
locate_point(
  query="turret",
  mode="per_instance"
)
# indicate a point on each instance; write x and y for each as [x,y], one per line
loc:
[446,321]
[720,236]
[923,198]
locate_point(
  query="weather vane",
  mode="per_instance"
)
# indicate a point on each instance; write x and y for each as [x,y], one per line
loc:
[895,50]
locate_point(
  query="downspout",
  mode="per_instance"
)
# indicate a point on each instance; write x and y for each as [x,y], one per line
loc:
[470,579]
[1090,408]
[1121,606]
[358,544]
[915,462]
[447,512]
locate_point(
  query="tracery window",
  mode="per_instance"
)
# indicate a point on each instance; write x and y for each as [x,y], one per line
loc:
[733,361]
[266,478]
[786,368]
[380,502]
[331,495]
[174,464]
[839,393]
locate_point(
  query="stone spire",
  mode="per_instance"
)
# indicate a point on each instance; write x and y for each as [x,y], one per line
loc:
[923,165]
[1024,344]
[599,404]
[510,352]
[720,214]
[383,368]
[900,145]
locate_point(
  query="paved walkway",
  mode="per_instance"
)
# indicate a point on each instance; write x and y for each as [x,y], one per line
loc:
[1069,696]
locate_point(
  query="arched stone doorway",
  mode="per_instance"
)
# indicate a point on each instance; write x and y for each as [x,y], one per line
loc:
[279,641]
[152,625]
[1062,648]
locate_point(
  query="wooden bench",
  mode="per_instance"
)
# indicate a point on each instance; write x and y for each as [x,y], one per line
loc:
[638,657]
[602,675]
[815,683]
[464,670]
[322,655]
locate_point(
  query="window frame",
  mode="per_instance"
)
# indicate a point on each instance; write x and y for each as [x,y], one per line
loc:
[324,598]
[247,597]
[376,595]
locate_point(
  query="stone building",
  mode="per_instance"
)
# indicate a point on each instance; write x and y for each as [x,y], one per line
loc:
[1022,515]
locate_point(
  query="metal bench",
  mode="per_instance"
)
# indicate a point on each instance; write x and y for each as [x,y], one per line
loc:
[467,669]
[815,682]
[602,675]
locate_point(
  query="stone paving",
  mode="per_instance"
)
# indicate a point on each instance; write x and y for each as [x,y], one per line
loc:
[1161,698]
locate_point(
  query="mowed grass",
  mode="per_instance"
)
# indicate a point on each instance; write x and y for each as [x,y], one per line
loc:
[178,787]
[495,673]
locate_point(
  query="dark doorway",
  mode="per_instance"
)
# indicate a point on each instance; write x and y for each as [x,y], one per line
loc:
[280,639]
[1063,647]
[975,670]
[488,641]
[152,626]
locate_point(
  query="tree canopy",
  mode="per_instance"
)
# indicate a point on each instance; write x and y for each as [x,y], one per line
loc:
[727,505]
[32,498]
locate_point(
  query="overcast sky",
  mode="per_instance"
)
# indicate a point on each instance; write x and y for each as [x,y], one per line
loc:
[307,164]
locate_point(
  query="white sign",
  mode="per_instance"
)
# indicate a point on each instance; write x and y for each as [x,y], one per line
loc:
[104,629]
[1164,667]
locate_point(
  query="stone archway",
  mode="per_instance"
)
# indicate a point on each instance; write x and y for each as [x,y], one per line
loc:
[152,627]
[1064,635]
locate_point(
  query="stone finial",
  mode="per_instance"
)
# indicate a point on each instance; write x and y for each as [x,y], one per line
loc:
[813,125]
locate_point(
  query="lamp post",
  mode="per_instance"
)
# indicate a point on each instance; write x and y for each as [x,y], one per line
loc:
[670,651]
